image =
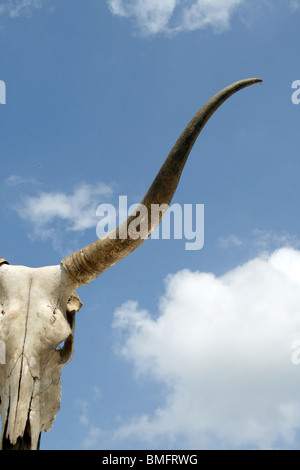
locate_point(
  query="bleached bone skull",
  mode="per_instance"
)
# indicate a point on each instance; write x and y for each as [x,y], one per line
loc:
[38,305]
[37,314]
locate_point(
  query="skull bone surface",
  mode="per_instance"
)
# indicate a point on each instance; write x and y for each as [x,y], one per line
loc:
[37,315]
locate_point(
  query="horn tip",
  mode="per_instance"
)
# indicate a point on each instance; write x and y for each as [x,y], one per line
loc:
[255,80]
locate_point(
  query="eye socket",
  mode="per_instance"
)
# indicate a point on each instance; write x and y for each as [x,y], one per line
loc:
[66,350]
[61,345]
[66,347]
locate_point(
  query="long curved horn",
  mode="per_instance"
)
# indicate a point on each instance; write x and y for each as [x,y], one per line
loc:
[89,262]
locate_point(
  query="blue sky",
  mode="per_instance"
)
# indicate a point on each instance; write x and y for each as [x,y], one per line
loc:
[174,349]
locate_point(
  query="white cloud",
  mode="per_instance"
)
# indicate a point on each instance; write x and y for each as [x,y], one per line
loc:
[77,209]
[51,214]
[154,16]
[215,13]
[222,348]
[171,16]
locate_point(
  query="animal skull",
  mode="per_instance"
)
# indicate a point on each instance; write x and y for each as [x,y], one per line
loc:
[38,305]
[37,314]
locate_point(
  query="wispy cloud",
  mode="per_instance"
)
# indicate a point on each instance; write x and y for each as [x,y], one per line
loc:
[82,407]
[222,349]
[15,8]
[77,209]
[230,241]
[170,16]
[17,180]
[93,434]
[173,16]
[294,4]
[50,215]
[259,241]
[152,16]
